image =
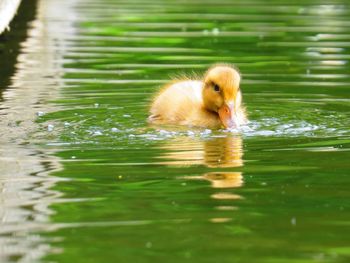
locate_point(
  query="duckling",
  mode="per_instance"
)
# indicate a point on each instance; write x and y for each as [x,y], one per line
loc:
[214,102]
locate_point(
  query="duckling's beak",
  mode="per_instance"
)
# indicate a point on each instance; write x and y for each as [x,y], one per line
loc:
[227,115]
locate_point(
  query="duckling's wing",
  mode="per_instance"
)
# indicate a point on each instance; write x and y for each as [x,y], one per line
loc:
[176,101]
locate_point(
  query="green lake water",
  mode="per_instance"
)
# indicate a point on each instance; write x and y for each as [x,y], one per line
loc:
[98,184]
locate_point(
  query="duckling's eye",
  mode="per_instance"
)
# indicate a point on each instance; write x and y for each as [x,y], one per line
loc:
[216,87]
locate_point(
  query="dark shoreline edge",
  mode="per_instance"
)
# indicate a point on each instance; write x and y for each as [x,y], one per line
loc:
[10,41]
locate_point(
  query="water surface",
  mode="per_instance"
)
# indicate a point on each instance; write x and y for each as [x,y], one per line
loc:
[275,191]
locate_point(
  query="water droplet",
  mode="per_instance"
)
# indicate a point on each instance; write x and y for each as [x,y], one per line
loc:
[96,105]
[97,133]
[205,32]
[293,221]
[40,113]
[163,132]
[206,131]
[114,129]
[50,127]
[190,133]
[215,31]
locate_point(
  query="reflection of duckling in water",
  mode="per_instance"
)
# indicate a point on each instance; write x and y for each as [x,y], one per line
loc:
[221,179]
[222,152]
[214,102]
[215,152]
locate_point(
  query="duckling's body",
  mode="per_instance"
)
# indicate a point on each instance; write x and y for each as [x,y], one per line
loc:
[181,103]
[194,103]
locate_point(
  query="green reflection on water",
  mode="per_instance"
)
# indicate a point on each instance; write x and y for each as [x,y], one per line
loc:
[276,192]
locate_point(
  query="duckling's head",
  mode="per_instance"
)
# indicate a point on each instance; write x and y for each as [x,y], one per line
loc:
[221,93]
